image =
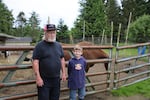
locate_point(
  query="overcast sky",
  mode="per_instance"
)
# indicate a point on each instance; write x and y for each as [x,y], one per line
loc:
[68,10]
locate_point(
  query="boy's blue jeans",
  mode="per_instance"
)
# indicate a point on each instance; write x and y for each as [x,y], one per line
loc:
[81,93]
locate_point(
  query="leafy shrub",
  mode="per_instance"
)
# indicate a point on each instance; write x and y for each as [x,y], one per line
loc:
[139,30]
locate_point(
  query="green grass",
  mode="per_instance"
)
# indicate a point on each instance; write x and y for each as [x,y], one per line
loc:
[127,53]
[142,88]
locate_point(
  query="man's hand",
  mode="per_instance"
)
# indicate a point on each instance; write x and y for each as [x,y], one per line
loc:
[39,81]
[64,77]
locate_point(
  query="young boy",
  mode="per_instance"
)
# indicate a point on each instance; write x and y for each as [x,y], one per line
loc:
[76,74]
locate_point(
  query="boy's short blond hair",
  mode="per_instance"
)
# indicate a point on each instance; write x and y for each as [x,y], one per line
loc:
[78,47]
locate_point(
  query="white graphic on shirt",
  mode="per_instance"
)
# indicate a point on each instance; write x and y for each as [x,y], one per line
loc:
[78,67]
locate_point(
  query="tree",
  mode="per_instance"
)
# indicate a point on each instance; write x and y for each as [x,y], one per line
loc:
[21,19]
[34,23]
[20,24]
[28,27]
[148,7]
[113,15]
[77,31]
[6,19]
[136,7]
[93,16]
[62,33]
[139,30]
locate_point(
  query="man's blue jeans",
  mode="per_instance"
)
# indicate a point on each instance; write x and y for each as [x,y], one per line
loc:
[81,93]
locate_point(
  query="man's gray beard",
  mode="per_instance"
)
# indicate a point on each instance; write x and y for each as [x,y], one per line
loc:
[51,40]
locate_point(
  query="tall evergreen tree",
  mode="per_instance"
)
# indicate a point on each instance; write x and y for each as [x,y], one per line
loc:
[92,18]
[136,7]
[141,8]
[21,19]
[6,19]
[34,23]
[113,14]
[20,24]
[148,7]
[62,31]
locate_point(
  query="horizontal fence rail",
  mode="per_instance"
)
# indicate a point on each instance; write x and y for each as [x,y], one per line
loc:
[127,71]
[10,70]
[133,68]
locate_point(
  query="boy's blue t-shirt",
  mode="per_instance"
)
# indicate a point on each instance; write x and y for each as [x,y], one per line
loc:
[49,56]
[76,78]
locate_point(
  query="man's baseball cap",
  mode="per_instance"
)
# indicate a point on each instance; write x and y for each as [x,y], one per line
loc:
[50,27]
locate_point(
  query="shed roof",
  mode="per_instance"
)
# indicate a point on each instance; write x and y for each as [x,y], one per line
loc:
[4,37]
[20,39]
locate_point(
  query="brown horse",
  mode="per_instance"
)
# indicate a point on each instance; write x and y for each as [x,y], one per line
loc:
[88,54]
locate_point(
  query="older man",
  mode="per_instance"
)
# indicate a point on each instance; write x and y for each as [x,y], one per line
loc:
[48,60]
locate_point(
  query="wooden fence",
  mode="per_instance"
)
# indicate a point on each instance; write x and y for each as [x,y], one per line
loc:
[17,80]
[133,67]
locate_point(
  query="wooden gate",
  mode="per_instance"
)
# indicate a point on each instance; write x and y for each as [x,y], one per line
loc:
[17,78]
[131,68]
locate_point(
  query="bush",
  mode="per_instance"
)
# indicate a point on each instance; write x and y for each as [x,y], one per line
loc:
[139,30]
